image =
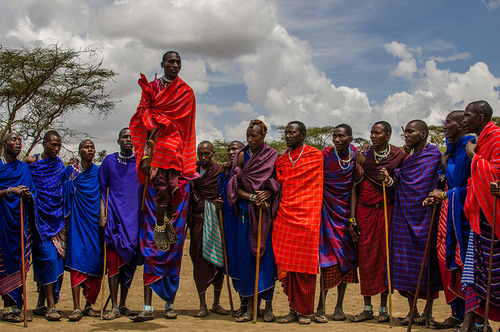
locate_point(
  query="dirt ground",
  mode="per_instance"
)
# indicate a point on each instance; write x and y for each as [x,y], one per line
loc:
[187,303]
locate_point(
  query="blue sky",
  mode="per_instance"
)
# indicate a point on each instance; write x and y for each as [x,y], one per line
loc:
[322,62]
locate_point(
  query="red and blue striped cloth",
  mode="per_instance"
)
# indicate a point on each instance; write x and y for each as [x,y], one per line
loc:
[416,178]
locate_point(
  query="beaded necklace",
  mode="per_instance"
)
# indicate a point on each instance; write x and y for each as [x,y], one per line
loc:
[300,155]
[382,155]
[123,159]
[344,164]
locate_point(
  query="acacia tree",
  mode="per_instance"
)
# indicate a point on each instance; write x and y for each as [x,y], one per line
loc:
[40,87]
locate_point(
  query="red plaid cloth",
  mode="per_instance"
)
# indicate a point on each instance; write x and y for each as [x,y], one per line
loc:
[334,276]
[485,168]
[300,288]
[372,256]
[296,227]
[173,112]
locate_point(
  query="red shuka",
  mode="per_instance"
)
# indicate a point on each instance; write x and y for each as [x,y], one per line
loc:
[485,168]
[296,227]
[173,112]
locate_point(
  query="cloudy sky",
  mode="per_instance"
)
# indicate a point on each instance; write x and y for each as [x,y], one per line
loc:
[322,62]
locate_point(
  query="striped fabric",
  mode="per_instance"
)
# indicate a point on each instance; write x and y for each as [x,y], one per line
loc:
[333,276]
[417,177]
[172,111]
[212,240]
[300,288]
[485,168]
[295,234]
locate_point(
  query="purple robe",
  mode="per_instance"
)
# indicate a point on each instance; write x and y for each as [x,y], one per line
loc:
[335,244]
[257,174]
[124,210]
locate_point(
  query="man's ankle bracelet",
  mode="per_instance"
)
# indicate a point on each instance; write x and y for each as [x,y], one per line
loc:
[368,308]
[147,308]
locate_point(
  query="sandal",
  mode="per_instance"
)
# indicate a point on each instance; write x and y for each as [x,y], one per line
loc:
[406,320]
[75,316]
[246,317]
[480,327]
[89,312]
[240,311]
[320,317]
[303,319]
[218,309]
[124,311]
[161,239]
[421,320]
[290,317]
[383,317]
[40,311]
[448,323]
[339,314]
[269,317]
[112,314]
[143,316]
[365,315]
[170,232]
[170,313]
[52,315]
[203,312]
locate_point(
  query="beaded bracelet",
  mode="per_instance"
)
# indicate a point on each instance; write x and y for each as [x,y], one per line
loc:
[352,220]
[443,196]
[9,191]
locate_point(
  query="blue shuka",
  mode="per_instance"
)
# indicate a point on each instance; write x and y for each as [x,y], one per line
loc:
[81,206]
[124,210]
[48,264]
[14,174]
[458,171]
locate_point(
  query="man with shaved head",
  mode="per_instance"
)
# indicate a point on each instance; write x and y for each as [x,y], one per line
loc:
[15,184]
[47,171]
[417,176]
[367,227]
[206,244]
[479,209]
[166,117]
[253,186]
[454,227]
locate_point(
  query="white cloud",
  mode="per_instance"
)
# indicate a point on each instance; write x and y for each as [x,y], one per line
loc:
[491,4]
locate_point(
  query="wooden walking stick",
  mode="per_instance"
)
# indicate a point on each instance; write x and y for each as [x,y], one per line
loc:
[488,292]
[226,263]
[427,245]
[23,268]
[104,265]
[257,267]
[151,145]
[389,286]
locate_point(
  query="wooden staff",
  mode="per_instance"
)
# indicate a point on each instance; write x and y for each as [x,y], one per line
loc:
[104,265]
[427,245]
[151,145]
[23,268]
[226,263]
[389,286]
[488,292]
[257,266]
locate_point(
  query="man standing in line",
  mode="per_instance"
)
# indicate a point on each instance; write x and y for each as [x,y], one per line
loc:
[417,176]
[85,244]
[15,184]
[120,217]
[166,115]
[454,228]
[368,229]
[254,187]
[206,244]
[231,222]
[47,171]
[336,248]
[479,209]
[295,233]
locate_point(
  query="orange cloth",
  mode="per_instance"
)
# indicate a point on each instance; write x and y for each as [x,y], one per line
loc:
[296,227]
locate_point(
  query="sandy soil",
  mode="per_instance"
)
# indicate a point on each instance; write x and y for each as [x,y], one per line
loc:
[187,303]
